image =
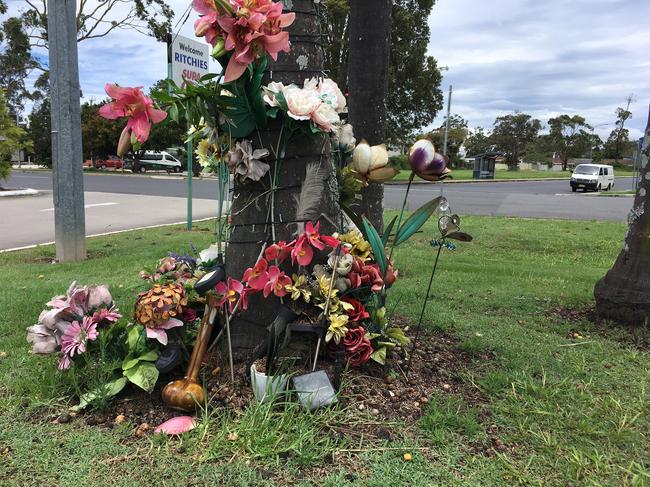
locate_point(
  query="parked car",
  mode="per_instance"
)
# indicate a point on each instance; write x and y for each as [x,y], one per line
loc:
[594,177]
[111,162]
[154,161]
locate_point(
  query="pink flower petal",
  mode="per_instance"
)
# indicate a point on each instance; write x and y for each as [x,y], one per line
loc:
[157,333]
[234,70]
[177,425]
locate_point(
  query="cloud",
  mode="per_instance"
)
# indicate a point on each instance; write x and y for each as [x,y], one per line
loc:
[540,57]
[544,58]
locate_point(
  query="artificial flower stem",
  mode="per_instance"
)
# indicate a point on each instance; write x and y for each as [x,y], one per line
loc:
[401,213]
[327,304]
[236,307]
[424,307]
[232,366]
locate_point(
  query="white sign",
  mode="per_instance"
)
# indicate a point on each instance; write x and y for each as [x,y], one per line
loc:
[190,59]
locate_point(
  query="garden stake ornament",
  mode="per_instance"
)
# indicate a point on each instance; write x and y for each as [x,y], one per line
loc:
[187,393]
[449,227]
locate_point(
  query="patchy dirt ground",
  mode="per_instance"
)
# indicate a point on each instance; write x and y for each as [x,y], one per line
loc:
[384,396]
[638,337]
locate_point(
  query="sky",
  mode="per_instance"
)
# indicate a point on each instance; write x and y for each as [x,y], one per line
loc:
[542,57]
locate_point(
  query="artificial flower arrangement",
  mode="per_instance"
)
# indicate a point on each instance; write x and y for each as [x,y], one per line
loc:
[223,112]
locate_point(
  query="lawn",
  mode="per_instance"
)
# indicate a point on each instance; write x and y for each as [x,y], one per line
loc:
[466,174]
[570,411]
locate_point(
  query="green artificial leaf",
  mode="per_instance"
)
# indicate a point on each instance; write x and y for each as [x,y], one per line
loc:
[376,243]
[149,356]
[245,110]
[173,112]
[379,355]
[388,229]
[208,77]
[129,362]
[356,218]
[416,220]
[136,340]
[110,389]
[398,335]
[143,375]
[281,100]
[387,345]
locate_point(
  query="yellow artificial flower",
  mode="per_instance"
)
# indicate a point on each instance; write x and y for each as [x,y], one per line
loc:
[337,327]
[360,247]
[299,288]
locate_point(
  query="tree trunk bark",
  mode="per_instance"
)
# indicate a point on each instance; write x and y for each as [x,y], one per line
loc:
[370,24]
[251,201]
[623,295]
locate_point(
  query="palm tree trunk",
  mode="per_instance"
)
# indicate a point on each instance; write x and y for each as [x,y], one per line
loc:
[370,24]
[623,295]
[251,202]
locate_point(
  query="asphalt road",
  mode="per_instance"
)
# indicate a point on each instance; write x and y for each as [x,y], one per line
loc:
[119,202]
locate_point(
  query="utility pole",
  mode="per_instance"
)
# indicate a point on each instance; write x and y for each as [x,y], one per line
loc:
[67,170]
[444,148]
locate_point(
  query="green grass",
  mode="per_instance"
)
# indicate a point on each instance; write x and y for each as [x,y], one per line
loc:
[569,412]
[466,174]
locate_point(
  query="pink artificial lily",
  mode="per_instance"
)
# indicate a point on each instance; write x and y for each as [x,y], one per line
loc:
[277,283]
[302,251]
[159,333]
[254,26]
[256,276]
[131,103]
[311,231]
[229,292]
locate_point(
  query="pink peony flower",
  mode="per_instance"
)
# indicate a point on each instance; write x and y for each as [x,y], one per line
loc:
[140,110]
[257,276]
[159,333]
[301,103]
[277,283]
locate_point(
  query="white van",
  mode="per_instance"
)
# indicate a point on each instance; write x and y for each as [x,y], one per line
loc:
[157,161]
[595,177]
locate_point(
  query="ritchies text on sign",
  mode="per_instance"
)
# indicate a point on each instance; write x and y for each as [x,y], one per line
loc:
[190,59]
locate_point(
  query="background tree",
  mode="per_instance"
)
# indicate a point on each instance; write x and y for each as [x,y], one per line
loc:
[569,137]
[458,132]
[12,138]
[368,82]
[623,294]
[40,133]
[16,62]
[22,33]
[477,142]
[621,134]
[540,149]
[98,134]
[414,96]
[618,144]
[512,134]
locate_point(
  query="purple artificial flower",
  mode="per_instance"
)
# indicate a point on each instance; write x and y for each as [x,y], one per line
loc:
[106,314]
[77,335]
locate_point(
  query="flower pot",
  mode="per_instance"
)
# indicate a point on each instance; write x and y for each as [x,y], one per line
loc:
[267,387]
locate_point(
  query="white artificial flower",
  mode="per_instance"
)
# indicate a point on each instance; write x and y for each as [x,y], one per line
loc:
[211,253]
[344,265]
[330,93]
[346,137]
[272,89]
